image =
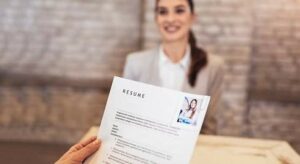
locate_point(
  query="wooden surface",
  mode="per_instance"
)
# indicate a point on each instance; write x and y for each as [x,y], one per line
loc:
[223,150]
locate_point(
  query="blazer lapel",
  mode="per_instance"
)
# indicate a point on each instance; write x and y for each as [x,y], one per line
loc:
[153,76]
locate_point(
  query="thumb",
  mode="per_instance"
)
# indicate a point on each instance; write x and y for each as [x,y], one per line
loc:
[86,151]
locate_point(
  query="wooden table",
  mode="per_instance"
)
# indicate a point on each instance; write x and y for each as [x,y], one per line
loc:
[230,150]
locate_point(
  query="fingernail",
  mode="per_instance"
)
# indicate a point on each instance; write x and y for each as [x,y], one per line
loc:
[96,142]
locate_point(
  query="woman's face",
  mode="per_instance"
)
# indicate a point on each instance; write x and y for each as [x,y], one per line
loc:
[174,19]
[193,104]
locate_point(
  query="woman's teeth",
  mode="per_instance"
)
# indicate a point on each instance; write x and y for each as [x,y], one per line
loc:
[171,29]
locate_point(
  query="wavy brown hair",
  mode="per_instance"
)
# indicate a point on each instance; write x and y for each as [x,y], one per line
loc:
[199,57]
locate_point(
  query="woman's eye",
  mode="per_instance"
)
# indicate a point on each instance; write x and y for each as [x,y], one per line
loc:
[162,12]
[179,11]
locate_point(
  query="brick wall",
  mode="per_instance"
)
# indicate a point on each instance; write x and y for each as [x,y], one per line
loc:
[275,120]
[274,104]
[49,113]
[57,59]
[70,38]
[276,49]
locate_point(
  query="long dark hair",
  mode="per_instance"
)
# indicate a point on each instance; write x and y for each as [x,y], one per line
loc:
[190,108]
[199,57]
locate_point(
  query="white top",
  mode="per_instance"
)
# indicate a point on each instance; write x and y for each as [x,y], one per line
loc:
[172,75]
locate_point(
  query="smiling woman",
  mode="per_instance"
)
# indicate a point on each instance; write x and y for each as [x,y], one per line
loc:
[178,63]
[174,20]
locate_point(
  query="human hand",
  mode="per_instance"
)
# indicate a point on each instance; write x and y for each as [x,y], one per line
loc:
[80,151]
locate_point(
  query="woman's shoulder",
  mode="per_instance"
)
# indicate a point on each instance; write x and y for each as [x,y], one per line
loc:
[216,66]
[215,60]
[138,62]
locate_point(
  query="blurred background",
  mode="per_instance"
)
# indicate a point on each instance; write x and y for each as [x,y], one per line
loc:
[57,60]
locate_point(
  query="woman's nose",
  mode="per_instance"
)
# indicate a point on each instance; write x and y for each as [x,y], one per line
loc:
[171,17]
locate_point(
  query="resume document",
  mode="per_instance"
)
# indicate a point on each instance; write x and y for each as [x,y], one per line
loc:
[145,124]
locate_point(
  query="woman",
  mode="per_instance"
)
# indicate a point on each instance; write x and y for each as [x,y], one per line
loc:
[187,115]
[191,111]
[178,63]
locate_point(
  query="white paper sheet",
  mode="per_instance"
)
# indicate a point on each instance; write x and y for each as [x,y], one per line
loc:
[145,124]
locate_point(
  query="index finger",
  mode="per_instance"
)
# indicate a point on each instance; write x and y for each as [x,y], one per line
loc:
[81,144]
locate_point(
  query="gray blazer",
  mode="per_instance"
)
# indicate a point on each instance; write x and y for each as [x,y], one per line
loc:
[143,66]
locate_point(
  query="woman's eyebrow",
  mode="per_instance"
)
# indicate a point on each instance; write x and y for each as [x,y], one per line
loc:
[163,7]
[179,6]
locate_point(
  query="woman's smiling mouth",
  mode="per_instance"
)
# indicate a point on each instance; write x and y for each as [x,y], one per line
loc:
[171,29]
